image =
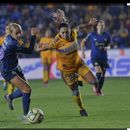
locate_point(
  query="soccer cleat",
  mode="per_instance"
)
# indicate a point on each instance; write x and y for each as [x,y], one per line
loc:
[83,112]
[97,92]
[5,86]
[9,101]
[101,94]
[80,83]
[25,120]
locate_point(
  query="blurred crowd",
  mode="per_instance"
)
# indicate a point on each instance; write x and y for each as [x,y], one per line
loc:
[117,18]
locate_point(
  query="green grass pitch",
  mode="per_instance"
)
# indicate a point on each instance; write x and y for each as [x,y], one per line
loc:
[109,111]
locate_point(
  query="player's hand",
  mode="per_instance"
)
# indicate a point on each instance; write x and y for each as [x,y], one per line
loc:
[34,31]
[93,21]
[45,45]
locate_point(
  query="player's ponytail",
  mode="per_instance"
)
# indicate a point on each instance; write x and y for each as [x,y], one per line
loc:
[59,18]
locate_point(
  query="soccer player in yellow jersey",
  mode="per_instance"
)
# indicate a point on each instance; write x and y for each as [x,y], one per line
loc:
[46,56]
[69,62]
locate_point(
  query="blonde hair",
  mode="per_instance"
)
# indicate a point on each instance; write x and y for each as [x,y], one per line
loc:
[7,30]
[11,26]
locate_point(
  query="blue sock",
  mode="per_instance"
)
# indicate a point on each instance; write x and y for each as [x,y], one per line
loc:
[101,82]
[16,94]
[98,76]
[26,102]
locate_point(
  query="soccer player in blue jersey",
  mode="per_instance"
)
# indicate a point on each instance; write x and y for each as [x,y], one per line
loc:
[99,40]
[10,70]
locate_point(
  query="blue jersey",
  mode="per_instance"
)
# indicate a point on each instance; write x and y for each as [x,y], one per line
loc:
[8,53]
[97,41]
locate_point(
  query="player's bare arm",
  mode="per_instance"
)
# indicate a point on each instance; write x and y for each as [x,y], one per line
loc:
[44,46]
[82,47]
[92,22]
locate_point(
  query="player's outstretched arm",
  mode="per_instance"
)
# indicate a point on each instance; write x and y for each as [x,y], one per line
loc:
[83,47]
[29,50]
[44,47]
[92,22]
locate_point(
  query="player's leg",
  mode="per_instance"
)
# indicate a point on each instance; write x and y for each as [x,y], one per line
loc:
[101,82]
[17,79]
[45,73]
[26,92]
[45,70]
[49,65]
[5,85]
[85,72]
[99,73]
[101,69]
[104,66]
[10,88]
[97,68]
[18,93]
[71,80]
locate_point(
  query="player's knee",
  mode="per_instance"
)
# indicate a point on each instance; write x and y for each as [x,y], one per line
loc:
[26,89]
[93,81]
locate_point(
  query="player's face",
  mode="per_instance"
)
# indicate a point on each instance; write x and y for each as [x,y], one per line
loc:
[65,32]
[17,31]
[101,26]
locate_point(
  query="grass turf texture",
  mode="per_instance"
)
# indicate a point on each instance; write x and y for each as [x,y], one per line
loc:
[109,111]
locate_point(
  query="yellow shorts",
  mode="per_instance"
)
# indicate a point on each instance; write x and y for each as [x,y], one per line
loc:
[72,77]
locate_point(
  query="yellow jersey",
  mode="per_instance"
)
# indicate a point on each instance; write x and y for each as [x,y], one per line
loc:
[67,55]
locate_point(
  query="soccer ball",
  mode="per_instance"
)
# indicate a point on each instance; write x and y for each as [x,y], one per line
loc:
[35,115]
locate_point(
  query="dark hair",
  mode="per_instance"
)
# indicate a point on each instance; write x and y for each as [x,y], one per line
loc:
[98,21]
[63,25]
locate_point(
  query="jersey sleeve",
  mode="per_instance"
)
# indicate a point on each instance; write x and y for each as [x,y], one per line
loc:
[27,50]
[9,44]
[109,38]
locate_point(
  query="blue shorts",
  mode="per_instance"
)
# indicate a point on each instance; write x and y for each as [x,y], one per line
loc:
[10,74]
[103,63]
